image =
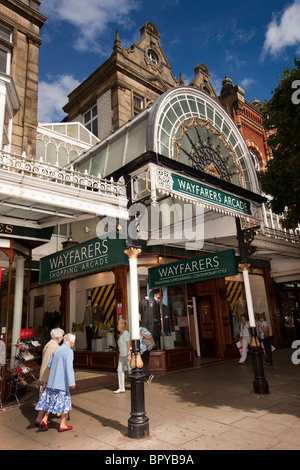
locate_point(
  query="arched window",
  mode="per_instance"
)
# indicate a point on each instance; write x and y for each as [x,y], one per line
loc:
[192,127]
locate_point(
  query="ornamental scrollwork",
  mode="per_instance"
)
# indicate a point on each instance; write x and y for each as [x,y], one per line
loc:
[164,179]
[203,154]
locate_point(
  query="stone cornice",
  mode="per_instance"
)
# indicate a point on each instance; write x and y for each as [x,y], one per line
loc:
[25,11]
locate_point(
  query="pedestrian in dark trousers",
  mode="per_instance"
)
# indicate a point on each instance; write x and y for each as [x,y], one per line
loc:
[144,333]
[297,322]
[265,338]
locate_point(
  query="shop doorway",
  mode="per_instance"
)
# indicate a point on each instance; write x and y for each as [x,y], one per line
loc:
[206,325]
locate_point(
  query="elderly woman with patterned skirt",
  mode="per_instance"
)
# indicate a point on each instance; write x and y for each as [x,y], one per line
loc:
[56,398]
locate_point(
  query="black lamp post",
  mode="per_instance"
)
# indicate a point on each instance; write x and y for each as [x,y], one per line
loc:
[138,423]
[245,238]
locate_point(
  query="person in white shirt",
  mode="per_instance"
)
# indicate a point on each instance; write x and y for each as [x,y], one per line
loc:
[245,338]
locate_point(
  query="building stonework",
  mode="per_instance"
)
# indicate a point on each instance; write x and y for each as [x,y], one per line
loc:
[135,77]
[248,118]
[140,113]
[24,21]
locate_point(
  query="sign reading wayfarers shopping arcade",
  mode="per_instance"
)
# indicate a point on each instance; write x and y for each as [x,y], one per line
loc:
[194,190]
[210,266]
[86,258]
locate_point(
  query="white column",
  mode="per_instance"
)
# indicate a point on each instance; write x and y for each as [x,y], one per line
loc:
[2,110]
[245,268]
[134,298]
[72,304]
[18,306]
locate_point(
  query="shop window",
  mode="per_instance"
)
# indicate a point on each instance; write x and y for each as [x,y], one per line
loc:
[165,312]
[91,120]
[178,313]
[14,298]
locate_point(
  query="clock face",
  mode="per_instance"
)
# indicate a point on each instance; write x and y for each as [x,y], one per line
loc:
[152,56]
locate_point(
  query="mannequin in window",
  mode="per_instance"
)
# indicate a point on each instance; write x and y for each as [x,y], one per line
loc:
[88,325]
[149,310]
[158,297]
[98,316]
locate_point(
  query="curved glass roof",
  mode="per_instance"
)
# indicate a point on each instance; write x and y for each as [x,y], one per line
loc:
[187,125]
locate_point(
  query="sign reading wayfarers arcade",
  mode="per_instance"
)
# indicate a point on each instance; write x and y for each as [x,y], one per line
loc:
[86,258]
[211,266]
[201,192]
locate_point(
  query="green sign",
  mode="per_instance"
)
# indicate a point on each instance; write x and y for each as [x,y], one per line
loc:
[211,266]
[26,232]
[86,258]
[210,195]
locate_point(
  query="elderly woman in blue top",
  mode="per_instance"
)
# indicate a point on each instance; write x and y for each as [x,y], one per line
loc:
[57,397]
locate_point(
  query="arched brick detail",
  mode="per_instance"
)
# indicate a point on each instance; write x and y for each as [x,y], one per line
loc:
[253,146]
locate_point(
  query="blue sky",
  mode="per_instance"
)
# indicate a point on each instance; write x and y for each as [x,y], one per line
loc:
[251,42]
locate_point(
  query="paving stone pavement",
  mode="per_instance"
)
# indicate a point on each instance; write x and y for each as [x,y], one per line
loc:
[213,407]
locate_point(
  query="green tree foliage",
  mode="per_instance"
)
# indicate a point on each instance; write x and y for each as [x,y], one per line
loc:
[281,115]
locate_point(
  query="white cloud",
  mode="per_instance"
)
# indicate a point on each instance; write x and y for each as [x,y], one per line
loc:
[92,18]
[247,82]
[283,31]
[53,96]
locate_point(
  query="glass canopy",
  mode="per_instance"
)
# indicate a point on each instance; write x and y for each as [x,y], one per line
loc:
[187,125]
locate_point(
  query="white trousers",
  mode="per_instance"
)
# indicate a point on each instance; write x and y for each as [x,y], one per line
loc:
[245,343]
[123,365]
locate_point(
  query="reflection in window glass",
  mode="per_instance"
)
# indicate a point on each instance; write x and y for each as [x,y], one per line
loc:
[178,315]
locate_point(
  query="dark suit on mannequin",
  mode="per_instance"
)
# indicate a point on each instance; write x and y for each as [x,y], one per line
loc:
[150,318]
[88,324]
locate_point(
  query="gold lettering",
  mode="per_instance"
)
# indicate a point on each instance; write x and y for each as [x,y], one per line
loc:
[6,228]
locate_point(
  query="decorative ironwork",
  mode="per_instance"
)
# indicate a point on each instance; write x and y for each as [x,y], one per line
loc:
[205,156]
[245,238]
[164,179]
[39,169]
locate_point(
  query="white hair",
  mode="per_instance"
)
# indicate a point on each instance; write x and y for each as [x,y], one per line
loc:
[56,333]
[68,338]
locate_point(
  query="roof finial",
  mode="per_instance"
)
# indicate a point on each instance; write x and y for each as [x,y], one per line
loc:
[181,81]
[117,43]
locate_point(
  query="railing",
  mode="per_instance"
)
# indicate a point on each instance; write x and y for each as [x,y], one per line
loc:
[282,235]
[39,169]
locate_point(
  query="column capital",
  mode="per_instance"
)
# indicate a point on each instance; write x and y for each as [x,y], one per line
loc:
[244,266]
[132,253]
